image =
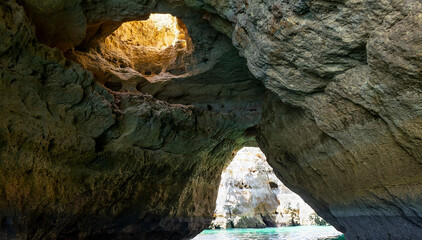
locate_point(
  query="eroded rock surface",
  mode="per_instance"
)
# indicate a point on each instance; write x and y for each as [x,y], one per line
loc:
[207,73]
[251,196]
[158,44]
[78,161]
[342,126]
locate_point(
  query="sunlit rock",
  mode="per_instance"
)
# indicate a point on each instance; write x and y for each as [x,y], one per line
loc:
[251,196]
[85,155]
[150,47]
[80,161]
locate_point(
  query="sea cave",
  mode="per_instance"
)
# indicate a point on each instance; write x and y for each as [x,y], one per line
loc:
[118,117]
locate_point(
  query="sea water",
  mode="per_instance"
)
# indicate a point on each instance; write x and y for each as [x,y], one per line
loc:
[290,233]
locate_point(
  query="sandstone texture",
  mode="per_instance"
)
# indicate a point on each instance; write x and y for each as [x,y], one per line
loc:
[80,162]
[92,147]
[150,46]
[342,127]
[251,196]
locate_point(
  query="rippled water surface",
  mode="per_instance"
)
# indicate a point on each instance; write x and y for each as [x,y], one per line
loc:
[291,233]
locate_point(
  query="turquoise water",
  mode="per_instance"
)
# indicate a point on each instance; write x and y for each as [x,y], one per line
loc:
[290,233]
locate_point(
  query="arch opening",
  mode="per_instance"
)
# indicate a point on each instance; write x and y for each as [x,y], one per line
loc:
[251,196]
[182,62]
[139,53]
[151,47]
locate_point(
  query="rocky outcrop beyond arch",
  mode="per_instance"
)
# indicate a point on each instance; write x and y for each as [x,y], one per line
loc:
[251,196]
[341,120]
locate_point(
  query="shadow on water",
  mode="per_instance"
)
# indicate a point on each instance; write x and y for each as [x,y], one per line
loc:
[290,233]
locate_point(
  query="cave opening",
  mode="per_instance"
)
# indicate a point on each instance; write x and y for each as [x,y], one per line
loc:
[341,119]
[151,47]
[180,62]
[138,53]
[250,195]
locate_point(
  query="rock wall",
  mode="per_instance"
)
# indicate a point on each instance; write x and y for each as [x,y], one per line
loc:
[251,196]
[341,124]
[78,161]
[342,127]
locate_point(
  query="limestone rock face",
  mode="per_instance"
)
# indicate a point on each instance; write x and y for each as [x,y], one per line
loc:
[80,162]
[245,198]
[251,196]
[341,124]
[150,47]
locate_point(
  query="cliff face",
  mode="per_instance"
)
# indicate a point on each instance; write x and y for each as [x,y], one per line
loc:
[245,198]
[251,196]
[343,125]
[341,121]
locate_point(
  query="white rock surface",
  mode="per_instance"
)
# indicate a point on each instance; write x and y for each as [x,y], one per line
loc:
[251,196]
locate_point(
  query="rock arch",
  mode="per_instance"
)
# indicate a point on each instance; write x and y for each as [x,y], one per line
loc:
[341,119]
